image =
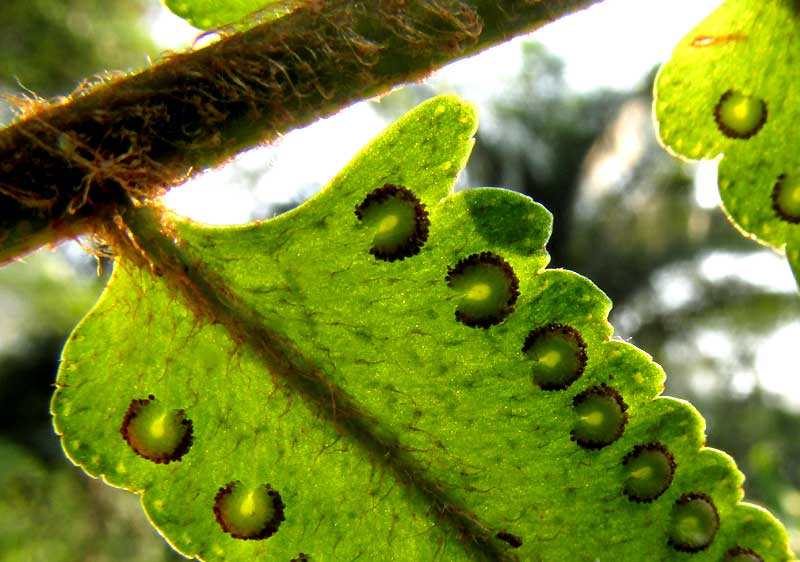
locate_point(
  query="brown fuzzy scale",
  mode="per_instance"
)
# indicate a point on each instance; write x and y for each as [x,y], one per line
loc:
[696,496]
[602,390]
[269,528]
[568,332]
[638,449]
[776,191]
[71,165]
[747,553]
[419,236]
[301,558]
[183,447]
[513,540]
[492,259]
[731,133]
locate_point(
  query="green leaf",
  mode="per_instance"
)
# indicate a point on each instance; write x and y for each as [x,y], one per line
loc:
[213,14]
[729,90]
[411,381]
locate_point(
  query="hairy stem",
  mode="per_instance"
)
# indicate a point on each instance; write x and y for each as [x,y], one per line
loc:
[66,168]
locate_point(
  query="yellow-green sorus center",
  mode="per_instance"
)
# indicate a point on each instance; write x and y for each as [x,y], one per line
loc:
[394,222]
[787,197]
[555,359]
[694,524]
[552,359]
[246,511]
[649,473]
[485,291]
[159,428]
[156,431]
[741,114]
[594,419]
[480,292]
[599,420]
[388,224]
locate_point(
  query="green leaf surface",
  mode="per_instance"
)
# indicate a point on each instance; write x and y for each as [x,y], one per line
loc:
[458,402]
[729,90]
[213,14]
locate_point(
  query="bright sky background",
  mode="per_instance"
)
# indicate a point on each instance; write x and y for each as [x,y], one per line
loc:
[610,45]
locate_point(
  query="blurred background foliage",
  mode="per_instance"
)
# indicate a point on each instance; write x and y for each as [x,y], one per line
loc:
[49,46]
[626,216]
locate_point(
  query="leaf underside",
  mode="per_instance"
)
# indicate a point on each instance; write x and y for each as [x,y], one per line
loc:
[390,426]
[729,90]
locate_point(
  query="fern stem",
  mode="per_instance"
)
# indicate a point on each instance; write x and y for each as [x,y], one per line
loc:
[66,167]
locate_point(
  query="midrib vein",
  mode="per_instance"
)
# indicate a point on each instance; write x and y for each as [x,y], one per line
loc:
[210,299]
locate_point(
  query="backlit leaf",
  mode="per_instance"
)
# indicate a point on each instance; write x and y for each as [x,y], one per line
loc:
[729,90]
[389,372]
